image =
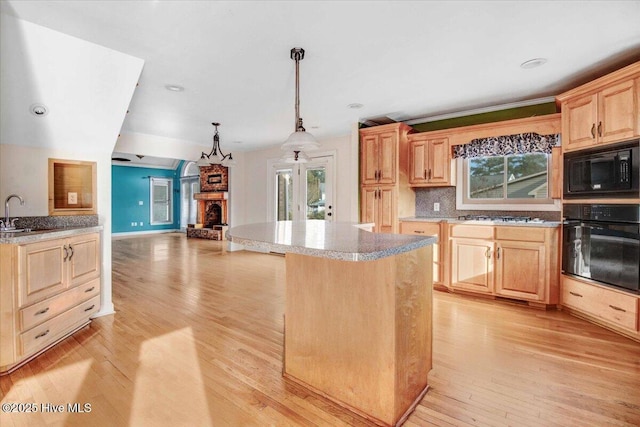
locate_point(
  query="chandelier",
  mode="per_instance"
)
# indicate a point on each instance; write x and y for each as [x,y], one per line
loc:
[216,156]
[300,140]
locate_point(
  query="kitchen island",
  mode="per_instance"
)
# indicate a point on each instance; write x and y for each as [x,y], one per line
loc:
[358,312]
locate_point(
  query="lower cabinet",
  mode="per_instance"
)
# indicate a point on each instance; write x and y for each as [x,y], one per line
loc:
[608,307]
[513,262]
[425,228]
[49,289]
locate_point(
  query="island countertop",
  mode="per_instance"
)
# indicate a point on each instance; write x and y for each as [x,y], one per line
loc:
[325,239]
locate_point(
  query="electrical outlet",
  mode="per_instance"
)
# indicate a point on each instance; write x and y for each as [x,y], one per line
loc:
[436,207]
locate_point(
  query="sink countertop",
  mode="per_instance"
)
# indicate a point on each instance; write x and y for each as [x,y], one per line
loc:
[325,239]
[39,235]
[550,224]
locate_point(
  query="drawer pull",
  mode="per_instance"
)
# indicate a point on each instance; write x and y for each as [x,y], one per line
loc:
[45,333]
[72,251]
[617,308]
[419,231]
[575,294]
[90,289]
[90,308]
[41,311]
[66,253]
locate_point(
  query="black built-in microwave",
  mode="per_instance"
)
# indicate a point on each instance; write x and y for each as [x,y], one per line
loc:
[605,172]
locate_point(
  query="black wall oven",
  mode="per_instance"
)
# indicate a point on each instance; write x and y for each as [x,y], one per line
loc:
[602,243]
[610,172]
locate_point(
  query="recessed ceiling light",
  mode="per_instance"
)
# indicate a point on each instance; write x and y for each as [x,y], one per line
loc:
[533,63]
[355,106]
[38,110]
[174,88]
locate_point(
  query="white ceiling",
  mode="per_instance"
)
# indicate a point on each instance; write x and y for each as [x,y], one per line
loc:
[403,59]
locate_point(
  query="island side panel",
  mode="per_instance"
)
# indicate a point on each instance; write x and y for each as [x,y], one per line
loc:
[342,330]
[414,328]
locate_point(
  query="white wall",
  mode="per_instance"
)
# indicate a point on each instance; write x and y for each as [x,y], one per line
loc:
[256,176]
[87,89]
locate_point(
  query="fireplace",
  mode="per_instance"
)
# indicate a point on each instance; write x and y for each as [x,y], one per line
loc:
[212,216]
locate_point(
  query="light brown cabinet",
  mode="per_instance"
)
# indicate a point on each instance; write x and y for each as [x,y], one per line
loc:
[437,229]
[385,194]
[513,262]
[379,207]
[603,111]
[429,161]
[607,307]
[56,284]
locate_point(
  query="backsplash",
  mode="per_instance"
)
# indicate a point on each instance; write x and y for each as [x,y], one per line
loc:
[62,221]
[446,196]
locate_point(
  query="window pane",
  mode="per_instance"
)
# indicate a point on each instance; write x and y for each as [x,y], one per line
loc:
[161,206]
[315,193]
[284,191]
[486,177]
[527,176]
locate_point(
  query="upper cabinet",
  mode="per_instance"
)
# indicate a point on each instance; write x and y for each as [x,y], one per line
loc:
[429,161]
[603,111]
[380,153]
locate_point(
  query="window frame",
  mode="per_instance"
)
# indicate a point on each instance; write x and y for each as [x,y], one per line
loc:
[463,202]
[169,185]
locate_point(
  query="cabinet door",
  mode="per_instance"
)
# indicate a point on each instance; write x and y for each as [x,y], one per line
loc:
[439,164]
[369,149]
[579,118]
[41,270]
[388,146]
[387,220]
[368,205]
[84,258]
[471,265]
[617,112]
[520,270]
[418,162]
[427,229]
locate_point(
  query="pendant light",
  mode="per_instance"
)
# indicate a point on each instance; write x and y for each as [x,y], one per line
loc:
[216,156]
[300,140]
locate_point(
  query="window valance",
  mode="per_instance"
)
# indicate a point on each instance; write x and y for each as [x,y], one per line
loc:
[521,143]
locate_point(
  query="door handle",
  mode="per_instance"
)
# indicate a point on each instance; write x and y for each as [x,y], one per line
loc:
[488,253]
[66,253]
[599,128]
[71,249]
[593,131]
[498,253]
[425,174]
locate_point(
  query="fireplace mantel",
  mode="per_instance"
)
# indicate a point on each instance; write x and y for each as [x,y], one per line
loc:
[222,195]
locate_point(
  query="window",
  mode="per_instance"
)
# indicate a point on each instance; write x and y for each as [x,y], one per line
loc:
[161,201]
[505,182]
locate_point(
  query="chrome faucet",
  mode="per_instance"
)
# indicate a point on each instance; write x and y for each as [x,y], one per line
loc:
[8,224]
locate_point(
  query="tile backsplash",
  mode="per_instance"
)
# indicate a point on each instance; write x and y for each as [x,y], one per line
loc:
[446,196]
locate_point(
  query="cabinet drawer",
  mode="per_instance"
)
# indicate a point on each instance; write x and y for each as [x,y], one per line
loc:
[472,231]
[420,228]
[55,328]
[606,304]
[521,234]
[49,308]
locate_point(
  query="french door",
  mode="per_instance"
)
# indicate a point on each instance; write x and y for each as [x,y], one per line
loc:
[303,191]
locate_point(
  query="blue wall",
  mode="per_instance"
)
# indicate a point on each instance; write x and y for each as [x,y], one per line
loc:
[129,185]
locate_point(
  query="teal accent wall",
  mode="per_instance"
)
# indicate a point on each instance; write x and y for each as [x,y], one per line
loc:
[129,185]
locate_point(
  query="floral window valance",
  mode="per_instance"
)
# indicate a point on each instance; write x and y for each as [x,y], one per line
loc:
[521,143]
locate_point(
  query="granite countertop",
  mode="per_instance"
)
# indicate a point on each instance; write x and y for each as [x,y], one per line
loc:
[48,234]
[326,239]
[550,224]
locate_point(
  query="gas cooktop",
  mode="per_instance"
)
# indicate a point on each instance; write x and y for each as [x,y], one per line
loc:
[500,218]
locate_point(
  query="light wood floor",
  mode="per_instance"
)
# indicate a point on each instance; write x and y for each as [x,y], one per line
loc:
[197,341]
